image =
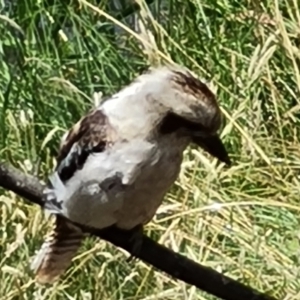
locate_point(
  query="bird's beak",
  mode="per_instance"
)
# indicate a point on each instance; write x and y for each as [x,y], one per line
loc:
[214,146]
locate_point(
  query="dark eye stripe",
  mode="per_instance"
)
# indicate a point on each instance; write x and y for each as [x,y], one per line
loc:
[173,122]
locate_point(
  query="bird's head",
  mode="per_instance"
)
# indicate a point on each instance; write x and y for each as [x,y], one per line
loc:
[190,108]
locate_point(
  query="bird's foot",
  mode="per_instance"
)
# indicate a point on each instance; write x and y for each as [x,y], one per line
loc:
[136,241]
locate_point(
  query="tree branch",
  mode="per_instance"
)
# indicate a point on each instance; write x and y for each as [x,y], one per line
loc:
[157,255]
[130,9]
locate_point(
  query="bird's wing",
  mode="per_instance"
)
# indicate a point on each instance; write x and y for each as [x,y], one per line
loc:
[92,134]
[88,136]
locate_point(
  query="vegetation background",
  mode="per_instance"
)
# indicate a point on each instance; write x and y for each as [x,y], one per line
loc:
[242,221]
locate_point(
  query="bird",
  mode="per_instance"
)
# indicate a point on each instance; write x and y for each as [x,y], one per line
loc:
[116,164]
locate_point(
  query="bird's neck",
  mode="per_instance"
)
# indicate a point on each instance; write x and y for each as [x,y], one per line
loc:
[132,116]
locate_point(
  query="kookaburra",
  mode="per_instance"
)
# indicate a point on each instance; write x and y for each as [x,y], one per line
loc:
[117,163]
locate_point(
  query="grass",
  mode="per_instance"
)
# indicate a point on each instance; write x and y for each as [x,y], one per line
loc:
[243,221]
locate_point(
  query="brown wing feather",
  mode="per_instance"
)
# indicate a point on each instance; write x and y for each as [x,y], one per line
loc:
[89,135]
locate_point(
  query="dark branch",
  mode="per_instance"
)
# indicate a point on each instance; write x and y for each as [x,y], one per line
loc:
[128,11]
[157,255]
[23,185]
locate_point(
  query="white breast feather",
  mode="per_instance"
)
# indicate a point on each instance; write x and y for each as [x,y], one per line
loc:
[81,204]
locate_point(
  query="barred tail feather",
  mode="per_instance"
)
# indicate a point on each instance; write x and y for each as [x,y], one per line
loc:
[57,252]
[53,194]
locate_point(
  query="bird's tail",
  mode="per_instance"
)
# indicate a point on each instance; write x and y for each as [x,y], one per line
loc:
[57,252]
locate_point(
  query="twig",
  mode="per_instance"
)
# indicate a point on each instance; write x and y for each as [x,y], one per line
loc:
[157,255]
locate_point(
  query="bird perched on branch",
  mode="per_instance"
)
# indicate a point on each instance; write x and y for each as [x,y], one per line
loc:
[117,163]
